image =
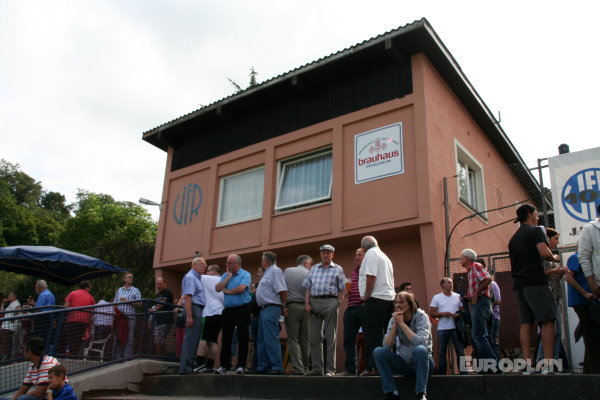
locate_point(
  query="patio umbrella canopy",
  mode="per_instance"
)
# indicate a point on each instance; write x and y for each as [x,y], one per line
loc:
[53,264]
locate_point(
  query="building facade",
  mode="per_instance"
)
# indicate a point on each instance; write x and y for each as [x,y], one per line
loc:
[353,144]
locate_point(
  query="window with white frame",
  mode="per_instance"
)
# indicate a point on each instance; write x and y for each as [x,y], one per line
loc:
[470,180]
[241,196]
[304,180]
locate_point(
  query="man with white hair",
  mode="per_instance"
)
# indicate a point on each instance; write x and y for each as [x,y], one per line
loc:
[194,295]
[479,292]
[376,286]
[43,324]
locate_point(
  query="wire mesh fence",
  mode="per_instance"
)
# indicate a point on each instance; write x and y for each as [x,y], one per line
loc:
[85,338]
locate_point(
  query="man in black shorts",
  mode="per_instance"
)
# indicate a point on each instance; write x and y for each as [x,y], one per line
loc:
[527,248]
[213,319]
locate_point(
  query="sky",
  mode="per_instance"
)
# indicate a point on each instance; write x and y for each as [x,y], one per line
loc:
[81,80]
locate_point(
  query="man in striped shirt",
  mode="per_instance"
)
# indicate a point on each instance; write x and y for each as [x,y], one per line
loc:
[479,293]
[353,319]
[324,286]
[35,384]
[127,292]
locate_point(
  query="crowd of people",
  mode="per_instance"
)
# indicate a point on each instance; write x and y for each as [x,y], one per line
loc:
[77,326]
[398,333]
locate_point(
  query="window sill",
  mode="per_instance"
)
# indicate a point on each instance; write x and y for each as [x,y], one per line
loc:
[302,207]
[473,210]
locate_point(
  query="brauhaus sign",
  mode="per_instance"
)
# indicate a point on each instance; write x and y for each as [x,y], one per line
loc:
[378,153]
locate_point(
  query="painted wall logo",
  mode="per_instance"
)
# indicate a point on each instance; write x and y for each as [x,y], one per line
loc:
[581,194]
[187,204]
[378,153]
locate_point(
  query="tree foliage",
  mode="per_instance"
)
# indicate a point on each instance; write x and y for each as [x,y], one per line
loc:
[118,232]
[253,81]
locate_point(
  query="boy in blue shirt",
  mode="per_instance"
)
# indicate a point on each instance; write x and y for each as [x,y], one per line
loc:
[58,388]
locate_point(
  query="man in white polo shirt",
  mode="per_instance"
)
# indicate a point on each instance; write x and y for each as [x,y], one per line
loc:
[376,286]
[446,306]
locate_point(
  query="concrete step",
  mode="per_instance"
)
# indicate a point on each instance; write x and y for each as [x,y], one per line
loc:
[477,387]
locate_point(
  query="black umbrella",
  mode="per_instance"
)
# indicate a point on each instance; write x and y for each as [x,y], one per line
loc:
[53,264]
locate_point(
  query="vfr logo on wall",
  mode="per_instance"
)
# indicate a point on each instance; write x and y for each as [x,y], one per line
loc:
[187,203]
[378,153]
[581,194]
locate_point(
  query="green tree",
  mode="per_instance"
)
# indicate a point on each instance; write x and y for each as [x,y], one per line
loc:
[28,215]
[119,232]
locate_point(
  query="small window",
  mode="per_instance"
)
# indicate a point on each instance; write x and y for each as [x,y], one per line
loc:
[241,196]
[304,180]
[470,180]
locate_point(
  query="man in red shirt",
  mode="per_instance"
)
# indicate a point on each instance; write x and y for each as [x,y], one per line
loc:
[76,321]
[353,319]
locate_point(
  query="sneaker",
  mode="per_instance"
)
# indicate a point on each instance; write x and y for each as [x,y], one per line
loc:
[421,396]
[200,369]
[346,373]
[274,372]
[547,372]
[240,371]
[222,371]
[330,374]
[314,373]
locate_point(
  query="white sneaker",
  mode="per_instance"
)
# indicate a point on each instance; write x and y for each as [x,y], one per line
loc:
[221,371]
[240,371]
[200,369]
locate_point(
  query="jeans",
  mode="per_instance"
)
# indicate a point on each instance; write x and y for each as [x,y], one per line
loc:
[269,347]
[480,313]
[389,363]
[126,350]
[353,318]
[254,333]
[444,336]
[494,337]
[190,341]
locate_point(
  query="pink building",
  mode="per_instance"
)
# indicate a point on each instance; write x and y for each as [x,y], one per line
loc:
[355,143]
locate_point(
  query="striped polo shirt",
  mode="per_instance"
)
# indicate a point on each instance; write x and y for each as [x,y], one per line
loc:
[38,374]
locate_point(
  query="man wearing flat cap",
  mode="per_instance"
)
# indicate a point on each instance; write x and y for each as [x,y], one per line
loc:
[324,286]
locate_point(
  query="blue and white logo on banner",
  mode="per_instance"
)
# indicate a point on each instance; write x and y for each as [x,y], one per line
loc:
[581,194]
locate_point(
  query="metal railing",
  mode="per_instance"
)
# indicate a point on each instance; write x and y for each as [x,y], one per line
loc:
[85,338]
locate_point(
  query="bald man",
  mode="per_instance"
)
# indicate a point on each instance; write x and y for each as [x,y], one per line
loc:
[194,299]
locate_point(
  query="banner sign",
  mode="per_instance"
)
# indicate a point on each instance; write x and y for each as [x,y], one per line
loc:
[378,153]
[575,179]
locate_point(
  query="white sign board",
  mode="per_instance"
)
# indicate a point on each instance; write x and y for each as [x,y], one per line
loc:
[378,153]
[575,179]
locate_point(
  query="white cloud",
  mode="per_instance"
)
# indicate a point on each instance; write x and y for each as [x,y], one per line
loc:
[81,80]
